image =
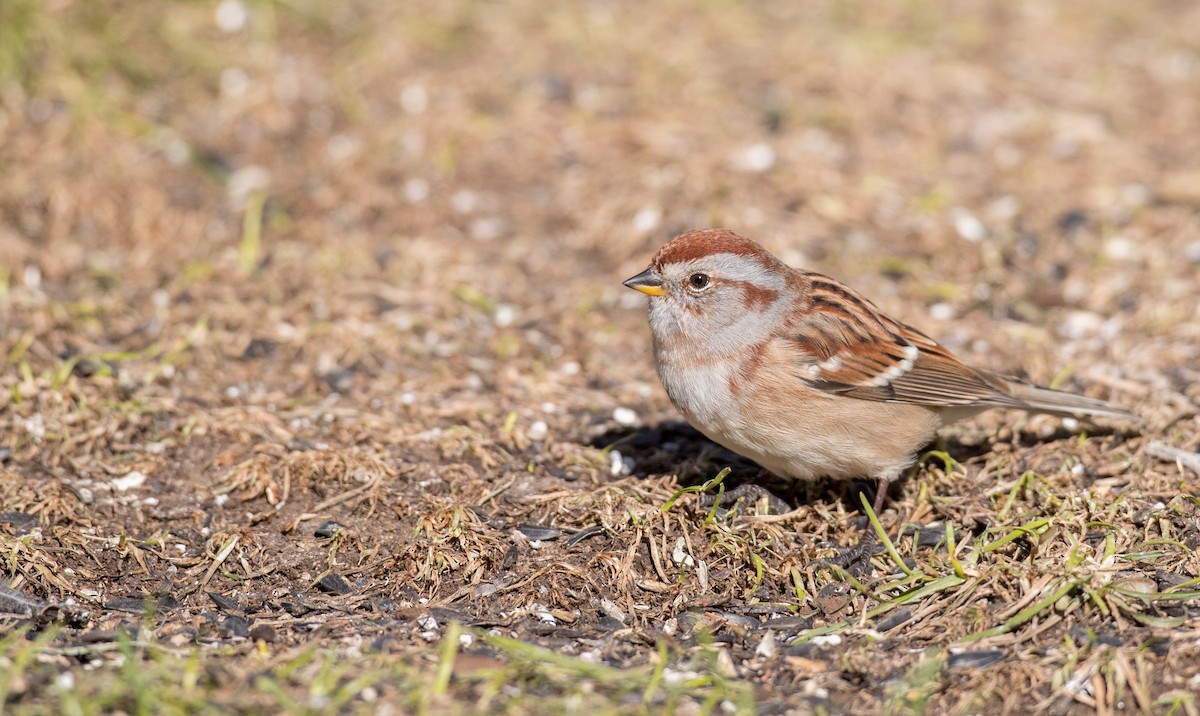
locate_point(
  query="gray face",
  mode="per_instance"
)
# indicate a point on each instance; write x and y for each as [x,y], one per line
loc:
[722,301]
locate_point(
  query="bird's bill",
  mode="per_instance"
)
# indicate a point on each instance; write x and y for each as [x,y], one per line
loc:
[648,283]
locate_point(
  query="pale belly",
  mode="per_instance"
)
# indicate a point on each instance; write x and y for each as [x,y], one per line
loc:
[801,433]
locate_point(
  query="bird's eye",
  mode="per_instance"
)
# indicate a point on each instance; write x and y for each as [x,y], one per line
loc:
[698,281]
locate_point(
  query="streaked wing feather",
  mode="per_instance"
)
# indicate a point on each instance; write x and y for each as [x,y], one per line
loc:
[860,353]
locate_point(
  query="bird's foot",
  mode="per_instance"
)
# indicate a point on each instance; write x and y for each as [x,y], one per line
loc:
[752,493]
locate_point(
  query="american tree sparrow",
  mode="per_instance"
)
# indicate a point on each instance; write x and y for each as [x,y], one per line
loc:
[803,375]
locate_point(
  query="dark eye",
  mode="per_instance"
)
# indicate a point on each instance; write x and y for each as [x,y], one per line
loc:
[698,281]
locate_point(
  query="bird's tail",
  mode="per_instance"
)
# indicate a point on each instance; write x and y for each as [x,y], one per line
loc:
[1057,402]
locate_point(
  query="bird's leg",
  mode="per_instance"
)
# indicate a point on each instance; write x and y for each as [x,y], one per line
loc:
[881,490]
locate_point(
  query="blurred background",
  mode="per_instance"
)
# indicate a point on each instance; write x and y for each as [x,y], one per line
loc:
[316,174]
[267,263]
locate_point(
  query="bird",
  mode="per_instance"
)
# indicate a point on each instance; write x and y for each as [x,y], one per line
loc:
[805,376]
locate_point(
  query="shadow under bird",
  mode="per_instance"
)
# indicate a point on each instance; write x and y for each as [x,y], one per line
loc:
[801,374]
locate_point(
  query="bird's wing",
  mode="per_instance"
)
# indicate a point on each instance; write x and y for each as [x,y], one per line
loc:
[847,346]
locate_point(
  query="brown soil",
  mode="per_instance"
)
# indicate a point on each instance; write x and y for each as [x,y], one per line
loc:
[313,334]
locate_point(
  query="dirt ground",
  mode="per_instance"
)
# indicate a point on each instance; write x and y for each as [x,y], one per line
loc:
[320,390]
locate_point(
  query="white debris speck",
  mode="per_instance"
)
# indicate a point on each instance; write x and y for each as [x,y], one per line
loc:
[1136,194]
[65,681]
[811,688]
[230,16]
[1080,324]
[416,190]
[1191,252]
[427,622]
[625,416]
[220,500]
[464,201]
[549,408]
[129,481]
[827,640]
[1071,424]
[570,368]
[341,147]
[1004,208]
[245,181]
[538,430]
[1077,469]
[474,382]
[504,315]
[680,556]
[967,225]
[176,150]
[408,398]
[647,219]
[675,677]
[234,82]
[486,228]
[755,159]
[36,426]
[1120,248]
[616,463]
[414,99]
[181,548]
[466,639]
[611,609]
[941,311]
[32,276]
[728,707]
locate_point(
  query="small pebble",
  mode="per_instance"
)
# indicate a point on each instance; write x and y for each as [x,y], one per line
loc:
[1120,248]
[504,315]
[334,583]
[754,159]
[329,529]
[941,311]
[416,190]
[616,463]
[647,219]
[625,416]
[129,481]
[538,430]
[487,228]
[230,16]
[414,99]
[464,201]
[1191,252]
[967,226]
